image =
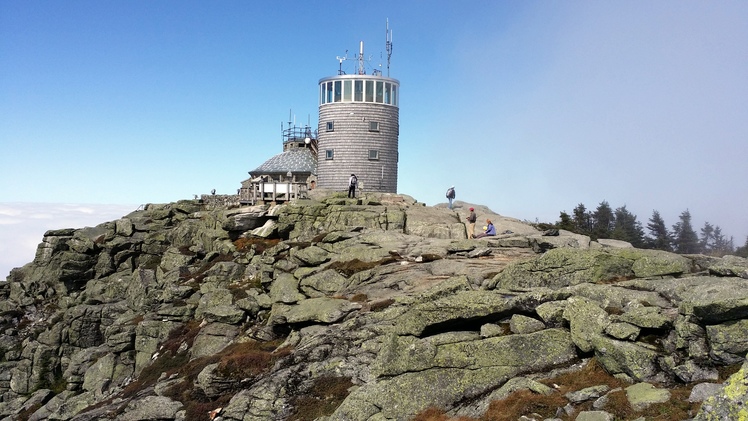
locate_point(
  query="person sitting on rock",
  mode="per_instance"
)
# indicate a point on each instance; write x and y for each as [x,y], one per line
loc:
[488,230]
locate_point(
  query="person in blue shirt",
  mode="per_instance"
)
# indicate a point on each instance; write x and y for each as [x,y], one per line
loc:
[488,231]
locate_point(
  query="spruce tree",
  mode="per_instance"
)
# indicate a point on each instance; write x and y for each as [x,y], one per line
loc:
[602,221]
[722,245]
[706,242]
[685,240]
[742,251]
[659,237]
[582,220]
[565,222]
[627,228]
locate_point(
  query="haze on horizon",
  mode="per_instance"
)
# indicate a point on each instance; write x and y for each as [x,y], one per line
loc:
[527,107]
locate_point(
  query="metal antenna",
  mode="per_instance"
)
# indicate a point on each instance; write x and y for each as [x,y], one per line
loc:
[388,45]
[361,69]
[340,62]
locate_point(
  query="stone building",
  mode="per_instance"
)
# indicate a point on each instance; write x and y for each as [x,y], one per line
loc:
[288,175]
[359,128]
[357,133]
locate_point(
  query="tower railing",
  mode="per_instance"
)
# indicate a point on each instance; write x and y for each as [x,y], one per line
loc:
[272,191]
[297,133]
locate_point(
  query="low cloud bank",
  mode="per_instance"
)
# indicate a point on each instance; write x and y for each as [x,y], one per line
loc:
[22,226]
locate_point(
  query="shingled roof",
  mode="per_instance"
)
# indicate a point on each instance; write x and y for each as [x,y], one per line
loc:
[294,160]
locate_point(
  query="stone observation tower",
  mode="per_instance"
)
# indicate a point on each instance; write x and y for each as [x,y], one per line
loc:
[357,134]
[359,127]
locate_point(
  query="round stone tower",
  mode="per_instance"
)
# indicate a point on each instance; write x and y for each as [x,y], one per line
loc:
[358,130]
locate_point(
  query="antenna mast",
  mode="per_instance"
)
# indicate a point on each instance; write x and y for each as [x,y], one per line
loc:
[388,44]
[361,69]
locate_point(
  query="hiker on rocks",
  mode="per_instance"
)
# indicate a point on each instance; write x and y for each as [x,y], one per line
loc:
[471,223]
[451,195]
[352,182]
[488,230]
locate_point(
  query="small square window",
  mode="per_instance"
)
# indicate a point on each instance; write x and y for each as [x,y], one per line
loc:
[329,154]
[373,126]
[330,126]
[373,154]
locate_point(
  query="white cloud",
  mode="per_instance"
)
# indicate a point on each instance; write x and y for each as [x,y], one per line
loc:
[22,226]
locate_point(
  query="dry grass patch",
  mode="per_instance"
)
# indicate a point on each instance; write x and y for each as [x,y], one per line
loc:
[199,275]
[359,298]
[678,408]
[249,359]
[354,266]
[527,403]
[591,374]
[238,361]
[169,361]
[380,304]
[524,402]
[325,395]
[239,288]
[258,244]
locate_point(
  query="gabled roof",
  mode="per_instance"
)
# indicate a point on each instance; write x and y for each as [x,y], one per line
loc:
[294,160]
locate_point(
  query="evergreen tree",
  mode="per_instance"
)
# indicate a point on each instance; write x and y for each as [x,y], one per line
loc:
[722,245]
[659,237]
[602,221]
[582,220]
[565,222]
[742,251]
[706,243]
[685,240]
[627,228]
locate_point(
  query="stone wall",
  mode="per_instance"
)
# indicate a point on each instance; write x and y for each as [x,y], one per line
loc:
[213,201]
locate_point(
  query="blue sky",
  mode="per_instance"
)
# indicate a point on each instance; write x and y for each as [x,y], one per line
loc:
[528,107]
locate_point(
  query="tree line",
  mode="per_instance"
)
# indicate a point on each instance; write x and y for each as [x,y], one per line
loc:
[620,224]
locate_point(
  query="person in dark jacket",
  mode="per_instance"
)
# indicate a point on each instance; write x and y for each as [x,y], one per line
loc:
[471,223]
[352,182]
[451,195]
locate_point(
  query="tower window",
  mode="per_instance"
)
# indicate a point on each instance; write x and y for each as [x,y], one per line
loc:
[369,91]
[358,90]
[330,126]
[338,91]
[347,90]
[373,154]
[329,154]
[373,126]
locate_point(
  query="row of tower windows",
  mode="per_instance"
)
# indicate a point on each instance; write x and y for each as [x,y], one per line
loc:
[373,154]
[373,126]
[358,91]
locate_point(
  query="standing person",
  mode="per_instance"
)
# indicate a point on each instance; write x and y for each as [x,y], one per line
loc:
[352,182]
[488,230]
[451,195]
[471,223]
